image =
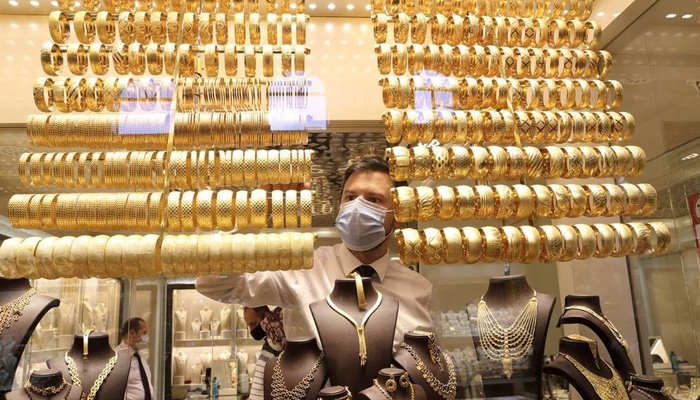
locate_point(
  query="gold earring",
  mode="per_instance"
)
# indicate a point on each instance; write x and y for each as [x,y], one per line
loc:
[390,385]
[404,381]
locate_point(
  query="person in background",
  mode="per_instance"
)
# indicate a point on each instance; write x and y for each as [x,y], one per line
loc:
[265,325]
[134,334]
[366,223]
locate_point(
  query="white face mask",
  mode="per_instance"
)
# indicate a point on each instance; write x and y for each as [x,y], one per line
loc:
[143,341]
[361,224]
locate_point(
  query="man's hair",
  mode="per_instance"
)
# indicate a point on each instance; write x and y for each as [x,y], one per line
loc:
[132,325]
[260,311]
[368,164]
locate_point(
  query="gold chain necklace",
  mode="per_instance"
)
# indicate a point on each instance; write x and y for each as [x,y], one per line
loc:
[48,391]
[646,392]
[446,390]
[432,347]
[11,311]
[29,391]
[73,370]
[511,343]
[360,328]
[390,396]
[605,322]
[279,388]
[606,388]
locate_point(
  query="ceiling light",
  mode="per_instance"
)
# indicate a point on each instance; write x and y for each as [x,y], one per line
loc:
[54,3]
[14,3]
[331,6]
[686,16]
[312,6]
[670,15]
[600,14]
[368,7]
[34,3]
[350,6]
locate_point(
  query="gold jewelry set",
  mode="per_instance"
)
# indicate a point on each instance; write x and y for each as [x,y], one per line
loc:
[499,127]
[511,162]
[464,202]
[390,386]
[528,244]
[484,93]
[148,131]
[612,388]
[446,390]
[146,169]
[279,387]
[507,344]
[507,73]
[30,389]
[135,256]
[12,311]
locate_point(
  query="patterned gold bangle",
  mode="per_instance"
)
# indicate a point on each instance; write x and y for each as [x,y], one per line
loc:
[485,202]
[59,27]
[512,244]
[242,210]
[272,28]
[249,61]
[96,256]
[286,29]
[291,208]
[277,205]
[404,201]
[216,260]
[623,242]
[586,241]
[249,251]
[258,208]
[425,206]
[205,210]
[202,255]
[113,256]
[552,242]
[284,247]
[206,28]
[300,29]
[261,252]
[296,260]
[408,245]
[465,203]
[605,240]
[597,199]
[190,28]
[211,60]
[445,203]
[254,28]
[307,249]
[305,208]
[633,199]
[421,162]
[491,243]
[452,245]
[187,215]
[431,243]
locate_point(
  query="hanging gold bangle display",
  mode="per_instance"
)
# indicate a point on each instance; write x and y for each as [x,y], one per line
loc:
[361,303]
[59,27]
[86,337]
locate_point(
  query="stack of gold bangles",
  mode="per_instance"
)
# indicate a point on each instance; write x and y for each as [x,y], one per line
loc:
[137,256]
[520,201]
[149,131]
[142,211]
[146,169]
[455,29]
[528,244]
[496,163]
[483,93]
[477,60]
[499,127]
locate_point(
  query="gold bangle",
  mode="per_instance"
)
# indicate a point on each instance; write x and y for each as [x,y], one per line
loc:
[432,246]
[205,210]
[96,256]
[383,52]
[633,199]
[622,240]
[77,57]
[578,200]
[531,246]
[408,246]
[650,199]
[472,244]
[254,28]
[137,59]
[301,29]
[43,94]
[84,27]
[399,160]
[615,200]
[249,61]
[552,242]
[663,237]
[258,208]
[187,214]
[291,208]
[425,208]
[59,27]
[231,60]
[491,243]
[561,200]
[605,240]
[587,243]
[286,29]
[544,204]
[452,245]
[505,202]
[272,28]
[267,61]
[465,205]
[512,244]
[597,199]
[571,243]
[113,256]
[445,203]
[211,60]
[296,259]
[305,208]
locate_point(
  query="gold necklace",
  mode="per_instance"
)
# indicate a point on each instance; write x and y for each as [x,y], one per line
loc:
[605,322]
[446,390]
[11,311]
[73,370]
[433,348]
[511,343]
[644,391]
[360,328]
[279,388]
[30,390]
[606,388]
[47,391]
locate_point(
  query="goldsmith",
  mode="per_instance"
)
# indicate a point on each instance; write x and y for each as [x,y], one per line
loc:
[360,328]
[511,343]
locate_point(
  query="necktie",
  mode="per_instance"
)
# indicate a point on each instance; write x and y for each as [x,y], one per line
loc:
[144,377]
[365,271]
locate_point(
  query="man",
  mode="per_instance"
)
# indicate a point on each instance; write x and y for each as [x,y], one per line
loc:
[134,333]
[365,222]
[267,326]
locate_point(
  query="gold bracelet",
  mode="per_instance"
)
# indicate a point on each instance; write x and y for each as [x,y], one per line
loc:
[258,208]
[605,240]
[408,245]
[432,246]
[491,243]
[425,205]
[445,203]
[301,29]
[531,244]
[254,28]
[399,160]
[633,199]
[305,208]
[552,242]
[59,27]
[211,60]
[291,208]
[512,244]
[623,241]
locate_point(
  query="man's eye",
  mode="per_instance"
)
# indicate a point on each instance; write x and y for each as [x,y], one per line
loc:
[374,200]
[350,197]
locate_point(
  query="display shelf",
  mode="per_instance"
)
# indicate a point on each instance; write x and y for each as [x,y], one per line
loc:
[203,342]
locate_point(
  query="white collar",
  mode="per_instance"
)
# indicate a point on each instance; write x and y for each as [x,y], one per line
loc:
[348,262]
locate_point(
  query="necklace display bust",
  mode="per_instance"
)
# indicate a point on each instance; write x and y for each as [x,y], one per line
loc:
[49,380]
[436,366]
[645,387]
[296,362]
[396,379]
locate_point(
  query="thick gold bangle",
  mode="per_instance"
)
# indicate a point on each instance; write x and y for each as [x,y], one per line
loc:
[587,243]
[544,204]
[597,199]
[571,243]
[552,242]
[650,199]
[408,245]
[291,209]
[307,249]
[59,27]
[399,160]
[524,203]
[272,28]
[43,94]
[380,23]
[305,208]
[425,205]
[404,201]
[286,29]
[491,243]
[452,245]
[662,236]
[445,202]
[513,244]
[84,27]
[258,208]
[254,28]
[605,240]
[296,259]
[560,200]
[472,244]
[77,58]
[504,202]
[300,29]
[531,244]
[615,200]
[623,241]
[633,199]
[96,256]
[432,246]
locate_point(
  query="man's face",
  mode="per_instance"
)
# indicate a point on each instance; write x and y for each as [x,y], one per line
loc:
[252,319]
[373,187]
[135,336]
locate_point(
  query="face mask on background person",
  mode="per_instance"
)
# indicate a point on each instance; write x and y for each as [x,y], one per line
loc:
[361,224]
[143,341]
[258,333]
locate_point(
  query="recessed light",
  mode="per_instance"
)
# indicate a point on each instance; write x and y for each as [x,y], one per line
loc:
[293,6]
[686,16]
[77,4]
[34,3]
[331,6]
[600,14]
[670,15]
[350,6]
[368,7]
[312,6]
[54,3]
[14,3]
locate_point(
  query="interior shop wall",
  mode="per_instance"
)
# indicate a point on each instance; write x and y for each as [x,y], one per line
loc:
[342,64]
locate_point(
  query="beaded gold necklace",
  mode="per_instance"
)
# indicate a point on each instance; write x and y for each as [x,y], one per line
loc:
[10,312]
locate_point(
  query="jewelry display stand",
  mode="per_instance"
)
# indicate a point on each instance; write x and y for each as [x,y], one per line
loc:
[506,300]
[99,355]
[180,322]
[50,380]
[340,339]
[586,310]
[602,382]
[644,387]
[14,338]
[335,393]
[392,383]
[427,365]
[298,362]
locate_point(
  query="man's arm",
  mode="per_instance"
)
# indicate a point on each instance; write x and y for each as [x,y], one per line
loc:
[252,290]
